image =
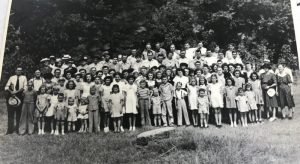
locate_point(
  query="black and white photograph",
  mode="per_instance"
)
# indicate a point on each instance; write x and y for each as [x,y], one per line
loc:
[149,81]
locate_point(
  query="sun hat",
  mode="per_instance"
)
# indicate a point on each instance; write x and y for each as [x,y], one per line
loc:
[45,59]
[14,101]
[271,92]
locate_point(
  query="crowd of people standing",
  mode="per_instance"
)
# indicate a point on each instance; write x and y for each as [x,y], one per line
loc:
[153,87]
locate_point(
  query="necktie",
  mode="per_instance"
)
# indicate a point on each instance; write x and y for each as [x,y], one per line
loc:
[17,84]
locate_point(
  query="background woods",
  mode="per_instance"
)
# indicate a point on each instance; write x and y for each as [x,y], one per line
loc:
[40,28]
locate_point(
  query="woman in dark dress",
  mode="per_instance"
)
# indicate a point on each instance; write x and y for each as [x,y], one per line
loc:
[284,83]
[268,81]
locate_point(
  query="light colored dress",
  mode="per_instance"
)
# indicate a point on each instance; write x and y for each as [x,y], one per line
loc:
[203,105]
[216,95]
[116,106]
[192,97]
[71,94]
[156,105]
[239,82]
[251,100]
[242,103]
[82,112]
[42,103]
[85,87]
[105,90]
[53,102]
[131,98]
[256,87]
[230,94]
[72,117]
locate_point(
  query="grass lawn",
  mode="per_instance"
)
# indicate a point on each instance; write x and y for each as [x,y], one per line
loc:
[276,142]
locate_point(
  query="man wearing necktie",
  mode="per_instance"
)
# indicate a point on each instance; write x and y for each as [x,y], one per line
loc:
[14,88]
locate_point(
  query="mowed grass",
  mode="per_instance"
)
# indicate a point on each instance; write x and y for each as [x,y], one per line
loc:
[276,142]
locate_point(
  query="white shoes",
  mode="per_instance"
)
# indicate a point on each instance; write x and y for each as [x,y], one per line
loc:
[40,132]
[62,132]
[235,125]
[43,132]
[130,128]
[133,128]
[56,133]
[106,130]
[52,132]
[231,125]
[122,130]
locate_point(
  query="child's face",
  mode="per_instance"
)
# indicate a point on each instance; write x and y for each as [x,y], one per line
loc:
[97,81]
[131,81]
[202,81]
[71,102]
[248,88]
[60,98]
[168,72]
[241,93]
[178,86]
[107,81]
[254,76]
[202,94]
[93,91]
[71,85]
[213,79]
[116,90]
[77,78]
[100,74]
[89,78]
[117,78]
[193,82]
[158,75]
[150,76]
[61,83]
[229,82]
[164,80]
[143,85]
[237,74]
[43,90]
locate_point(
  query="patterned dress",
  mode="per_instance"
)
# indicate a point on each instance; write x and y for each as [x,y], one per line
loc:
[284,91]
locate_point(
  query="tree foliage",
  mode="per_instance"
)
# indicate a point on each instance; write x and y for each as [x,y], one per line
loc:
[84,27]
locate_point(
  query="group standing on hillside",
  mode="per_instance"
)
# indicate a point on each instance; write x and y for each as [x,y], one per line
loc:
[153,87]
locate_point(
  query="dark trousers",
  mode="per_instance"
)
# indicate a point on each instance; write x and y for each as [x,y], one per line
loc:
[13,113]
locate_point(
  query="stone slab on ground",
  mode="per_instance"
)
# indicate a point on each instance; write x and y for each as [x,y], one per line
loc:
[145,137]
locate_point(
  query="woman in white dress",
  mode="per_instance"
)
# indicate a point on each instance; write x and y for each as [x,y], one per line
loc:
[131,102]
[192,98]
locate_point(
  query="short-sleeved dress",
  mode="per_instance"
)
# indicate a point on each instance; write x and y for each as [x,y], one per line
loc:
[131,98]
[156,105]
[68,93]
[251,100]
[242,105]
[256,87]
[230,94]
[192,97]
[53,102]
[216,95]
[72,117]
[85,87]
[116,106]
[284,91]
[42,100]
[239,82]
[203,105]
[268,79]
[82,112]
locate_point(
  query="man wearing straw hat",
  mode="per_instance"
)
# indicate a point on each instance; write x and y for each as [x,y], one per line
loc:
[14,87]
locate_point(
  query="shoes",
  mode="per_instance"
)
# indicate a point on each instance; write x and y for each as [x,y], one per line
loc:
[122,130]
[272,119]
[106,130]
[40,132]
[56,133]
[62,132]
[231,125]
[235,125]
[43,132]
[52,132]
[130,128]
[133,128]
[165,125]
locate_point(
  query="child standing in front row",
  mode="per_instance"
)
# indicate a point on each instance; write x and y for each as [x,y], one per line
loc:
[143,94]
[42,104]
[230,94]
[181,105]
[83,114]
[256,86]
[156,107]
[50,112]
[105,94]
[203,107]
[60,114]
[116,102]
[242,104]
[72,114]
[26,119]
[93,108]
[192,98]
[131,102]
[252,103]
[166,90]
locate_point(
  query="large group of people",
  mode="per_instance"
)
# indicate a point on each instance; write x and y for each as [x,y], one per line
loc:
[154,87]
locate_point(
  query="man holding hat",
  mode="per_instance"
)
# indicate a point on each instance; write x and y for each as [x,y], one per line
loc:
[14,88]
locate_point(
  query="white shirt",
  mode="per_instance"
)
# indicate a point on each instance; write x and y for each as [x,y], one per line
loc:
[150,64]
[180,94]
[203,50]
[169,63]
[190,53]
[211,60]
[236,60]
[13,80]
[184,80]
[37,83]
